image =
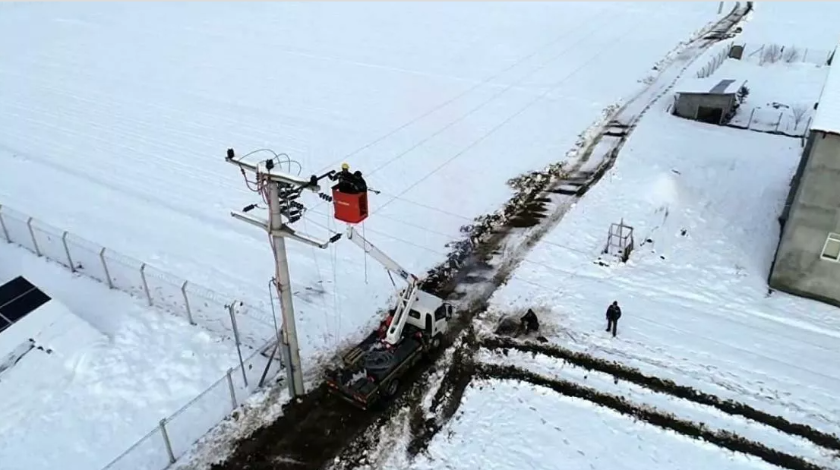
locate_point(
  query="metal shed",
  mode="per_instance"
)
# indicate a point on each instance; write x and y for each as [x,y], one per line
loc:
[706,99]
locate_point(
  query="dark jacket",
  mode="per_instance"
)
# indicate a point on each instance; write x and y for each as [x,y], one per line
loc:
[350,183]
[613,312]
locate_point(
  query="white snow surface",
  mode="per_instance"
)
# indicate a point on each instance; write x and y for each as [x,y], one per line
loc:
[114,126]
[52,325]
[683,409]
[703,201]
[124,111]
[506,425]
[705,85]
[100,390]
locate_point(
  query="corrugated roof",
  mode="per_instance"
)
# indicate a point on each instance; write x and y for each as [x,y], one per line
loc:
[708,85]
[827,117]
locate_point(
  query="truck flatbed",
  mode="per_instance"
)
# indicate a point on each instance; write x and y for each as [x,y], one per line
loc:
[369,375]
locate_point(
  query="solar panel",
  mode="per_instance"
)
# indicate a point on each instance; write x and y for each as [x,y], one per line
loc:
[19,298]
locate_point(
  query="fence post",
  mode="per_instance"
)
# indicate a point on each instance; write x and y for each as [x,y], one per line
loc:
[105,266]
[236,338]
[805,55]
[749,123]
[67,251]
[232,390]
[32,233]
[166,440]
[187,302]
[145,284]
[3,225]
[781,113]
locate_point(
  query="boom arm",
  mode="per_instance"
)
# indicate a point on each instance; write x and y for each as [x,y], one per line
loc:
[407,297]
[378,255]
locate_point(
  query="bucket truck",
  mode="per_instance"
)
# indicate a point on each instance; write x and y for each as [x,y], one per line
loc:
[414,327]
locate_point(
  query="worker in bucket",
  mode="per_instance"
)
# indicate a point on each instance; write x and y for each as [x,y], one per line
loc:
[349,182]
[613,314]
[361,184]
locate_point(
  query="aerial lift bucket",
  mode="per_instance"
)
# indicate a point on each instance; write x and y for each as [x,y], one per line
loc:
[351,208]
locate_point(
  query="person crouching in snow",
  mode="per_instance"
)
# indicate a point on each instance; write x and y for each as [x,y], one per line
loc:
[613,314]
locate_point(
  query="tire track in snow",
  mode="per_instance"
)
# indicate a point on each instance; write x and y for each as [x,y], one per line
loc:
[634,376]
[654,417]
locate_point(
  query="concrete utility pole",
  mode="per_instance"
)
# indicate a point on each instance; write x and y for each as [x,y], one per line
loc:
[281,189]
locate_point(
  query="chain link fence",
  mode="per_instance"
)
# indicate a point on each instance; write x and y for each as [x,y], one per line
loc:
[199,305]
[777,53]
[174,435]
[790,121]
[247,324]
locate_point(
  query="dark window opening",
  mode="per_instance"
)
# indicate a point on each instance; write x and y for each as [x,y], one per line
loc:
[709,115]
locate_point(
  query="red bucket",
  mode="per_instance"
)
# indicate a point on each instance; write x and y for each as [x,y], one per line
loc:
[350,208]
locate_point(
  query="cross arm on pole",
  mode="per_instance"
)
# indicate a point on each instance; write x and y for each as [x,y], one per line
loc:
[273,174]
[286,231]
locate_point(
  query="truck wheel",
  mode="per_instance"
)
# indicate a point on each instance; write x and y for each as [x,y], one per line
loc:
[391,388]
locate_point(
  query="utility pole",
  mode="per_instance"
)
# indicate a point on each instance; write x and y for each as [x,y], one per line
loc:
[280,191]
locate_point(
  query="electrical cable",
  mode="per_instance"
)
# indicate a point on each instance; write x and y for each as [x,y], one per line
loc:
[510,118]
[555,40]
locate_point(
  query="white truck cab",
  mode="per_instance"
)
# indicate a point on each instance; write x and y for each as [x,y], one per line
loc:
[430,314]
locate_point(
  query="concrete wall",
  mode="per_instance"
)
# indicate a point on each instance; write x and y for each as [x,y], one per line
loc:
[687,103]
[814,213]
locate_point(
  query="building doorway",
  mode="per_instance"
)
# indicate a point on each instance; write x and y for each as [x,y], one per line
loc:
[709,115]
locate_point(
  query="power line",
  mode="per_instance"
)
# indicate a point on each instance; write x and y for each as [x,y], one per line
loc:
[466,92]
[510,118]
[446,255]
[485,102]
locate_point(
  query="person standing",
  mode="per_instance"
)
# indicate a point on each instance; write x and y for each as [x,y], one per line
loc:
[613,314]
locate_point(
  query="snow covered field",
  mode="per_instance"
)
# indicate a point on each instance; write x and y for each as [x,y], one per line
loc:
[124,113]
[715,419]
[506,425]
[99,397]
[130,108]
[704,202]
[695,304]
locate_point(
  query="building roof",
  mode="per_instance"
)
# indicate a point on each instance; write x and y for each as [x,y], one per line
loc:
[827,117]
[19,298]
[29,318]
[715,86]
